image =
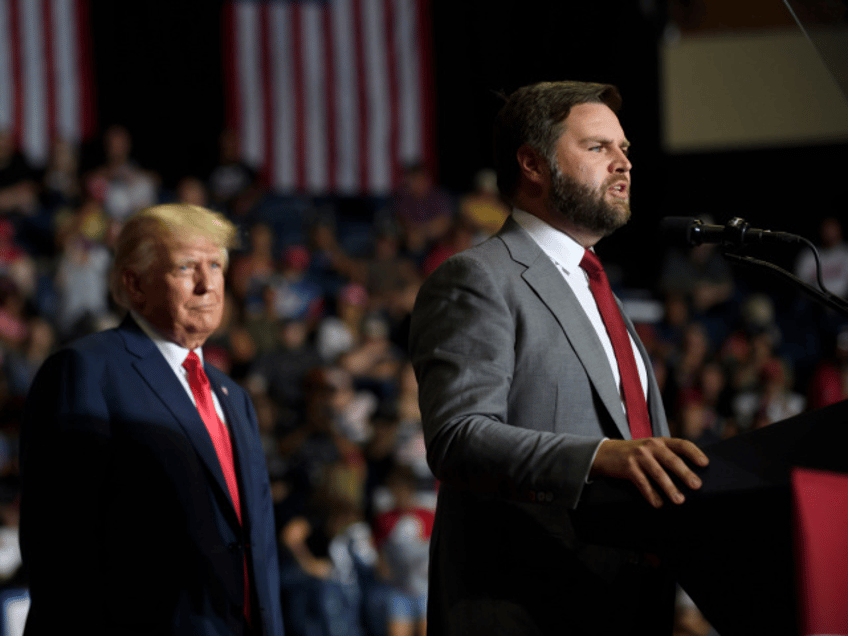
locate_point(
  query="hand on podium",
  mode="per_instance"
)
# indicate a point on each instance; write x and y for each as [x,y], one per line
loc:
[650,464]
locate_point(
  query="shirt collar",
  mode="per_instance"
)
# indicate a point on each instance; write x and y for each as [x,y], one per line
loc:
[174,354]
[559,246]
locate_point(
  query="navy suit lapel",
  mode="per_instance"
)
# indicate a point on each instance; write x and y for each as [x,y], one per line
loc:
[542,275]
[159,377]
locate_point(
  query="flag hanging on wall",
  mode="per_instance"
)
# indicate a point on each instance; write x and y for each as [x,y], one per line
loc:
[330,96]
[45,74]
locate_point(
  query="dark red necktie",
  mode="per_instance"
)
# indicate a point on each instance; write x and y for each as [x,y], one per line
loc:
[202,391]
[634,397]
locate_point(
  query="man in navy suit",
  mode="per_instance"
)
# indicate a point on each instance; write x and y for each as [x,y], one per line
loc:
[145,502]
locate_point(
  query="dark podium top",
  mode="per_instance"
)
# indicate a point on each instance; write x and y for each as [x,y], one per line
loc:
[730,543]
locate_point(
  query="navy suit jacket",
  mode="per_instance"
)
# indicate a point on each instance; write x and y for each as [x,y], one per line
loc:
[127,526]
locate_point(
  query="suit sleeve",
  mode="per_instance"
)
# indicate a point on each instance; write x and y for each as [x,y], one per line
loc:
[65,457]
[463,342]
[266,564]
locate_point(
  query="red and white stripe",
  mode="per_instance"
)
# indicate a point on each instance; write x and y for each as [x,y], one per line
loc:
[45,73]
[330,97]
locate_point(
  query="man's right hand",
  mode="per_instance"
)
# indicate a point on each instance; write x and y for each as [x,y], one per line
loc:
[649,463]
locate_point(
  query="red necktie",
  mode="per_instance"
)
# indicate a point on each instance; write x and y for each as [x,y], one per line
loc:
[634,397]
[199,383]
[200,388]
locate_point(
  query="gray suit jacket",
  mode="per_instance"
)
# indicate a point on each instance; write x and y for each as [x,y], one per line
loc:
[516,394]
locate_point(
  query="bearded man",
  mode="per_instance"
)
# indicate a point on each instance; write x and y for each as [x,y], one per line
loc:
[532,382]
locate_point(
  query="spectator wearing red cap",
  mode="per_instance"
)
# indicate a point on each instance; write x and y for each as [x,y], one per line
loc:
[296,295]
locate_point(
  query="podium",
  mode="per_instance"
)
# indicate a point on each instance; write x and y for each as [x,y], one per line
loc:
[731,543]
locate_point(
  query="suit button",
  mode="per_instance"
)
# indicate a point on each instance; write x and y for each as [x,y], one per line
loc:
[234,547]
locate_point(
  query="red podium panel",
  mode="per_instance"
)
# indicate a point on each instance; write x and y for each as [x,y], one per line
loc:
[820,502]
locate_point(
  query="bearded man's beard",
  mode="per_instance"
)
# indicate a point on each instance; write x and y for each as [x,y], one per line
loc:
[584,207]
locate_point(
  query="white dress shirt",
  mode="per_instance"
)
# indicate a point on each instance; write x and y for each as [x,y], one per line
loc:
[175,355]
[566,254]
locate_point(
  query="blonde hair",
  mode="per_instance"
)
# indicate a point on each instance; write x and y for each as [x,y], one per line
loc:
[137,245]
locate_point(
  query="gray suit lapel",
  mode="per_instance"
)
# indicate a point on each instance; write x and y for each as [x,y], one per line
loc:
[546,280]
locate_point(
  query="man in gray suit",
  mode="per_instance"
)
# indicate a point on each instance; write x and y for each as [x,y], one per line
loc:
[524,391]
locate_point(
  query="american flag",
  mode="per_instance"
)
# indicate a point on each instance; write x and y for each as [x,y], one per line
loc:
[330,96]
[45,74]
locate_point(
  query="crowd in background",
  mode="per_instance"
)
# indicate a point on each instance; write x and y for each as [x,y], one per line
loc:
[319,296]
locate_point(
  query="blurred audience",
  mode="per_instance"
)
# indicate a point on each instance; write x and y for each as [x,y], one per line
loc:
[829,383]
[295,293]
[316,328]
[61,183]
[424,211]
[833,251]
[402,535]
[192,190]
[232,183]
[18,182]
[119,183]
[483,210]
[340,332]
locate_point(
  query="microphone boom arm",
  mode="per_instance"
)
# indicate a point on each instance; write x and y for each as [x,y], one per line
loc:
[822,296]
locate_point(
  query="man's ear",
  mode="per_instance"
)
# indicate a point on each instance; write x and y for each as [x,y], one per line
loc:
[132,285]
[531,165]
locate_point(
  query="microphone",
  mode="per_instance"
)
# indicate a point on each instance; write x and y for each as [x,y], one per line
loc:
[693,232]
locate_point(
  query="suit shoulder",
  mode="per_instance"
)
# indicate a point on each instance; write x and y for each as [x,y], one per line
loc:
[68,389]
[492,250]
[93,349]
[106,342]
[488,257]
[478,282]
[82,360]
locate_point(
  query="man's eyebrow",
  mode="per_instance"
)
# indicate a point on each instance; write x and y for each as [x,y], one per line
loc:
[604,140]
